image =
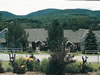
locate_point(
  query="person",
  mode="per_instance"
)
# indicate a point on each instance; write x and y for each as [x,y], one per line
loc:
[38,60]
[38,64]
[32,56]
[84,59]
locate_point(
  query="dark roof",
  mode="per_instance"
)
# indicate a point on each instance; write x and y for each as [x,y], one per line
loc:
[74,36]
[42,34]
[37,34]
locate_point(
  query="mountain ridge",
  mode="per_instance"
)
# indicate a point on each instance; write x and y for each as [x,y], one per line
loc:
[50,12]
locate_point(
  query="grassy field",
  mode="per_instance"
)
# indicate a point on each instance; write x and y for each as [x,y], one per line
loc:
[5,64]
[35,52]
[47,52]
[95,65]
[76,53]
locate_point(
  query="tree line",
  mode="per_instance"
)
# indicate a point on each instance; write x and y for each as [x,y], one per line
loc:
[73,22]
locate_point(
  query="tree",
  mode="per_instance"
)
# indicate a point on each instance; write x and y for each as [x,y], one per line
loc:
[90,41]
[77,22]
[16,36]
[2,26]
[56,44]
[55,36]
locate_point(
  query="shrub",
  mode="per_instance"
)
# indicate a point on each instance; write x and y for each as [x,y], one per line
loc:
[56,64]
[36,66]
[87,68]
[19,70]
[44,65]
[19,66]
[9,69]
[1,68]
[20,61]
[29,65]
[32,65]
[72,67]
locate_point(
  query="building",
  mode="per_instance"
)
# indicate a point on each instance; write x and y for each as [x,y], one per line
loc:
[38,37]
[74,37]
[2,38]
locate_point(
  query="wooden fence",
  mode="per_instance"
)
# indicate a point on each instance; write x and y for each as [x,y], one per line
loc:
[11,49]
[92,51]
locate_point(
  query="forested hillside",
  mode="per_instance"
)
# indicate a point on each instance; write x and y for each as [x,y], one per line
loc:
[69,18]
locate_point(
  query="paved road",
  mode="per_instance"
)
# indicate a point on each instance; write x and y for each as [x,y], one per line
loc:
[91,58]
[5,57]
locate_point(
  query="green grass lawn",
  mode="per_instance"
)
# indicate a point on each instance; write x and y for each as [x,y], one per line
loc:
[95,65]
[5,64]
[76,53]
[35,52]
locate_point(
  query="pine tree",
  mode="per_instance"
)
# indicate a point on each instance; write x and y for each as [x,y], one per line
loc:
[55,36]
[16,36]
[2,26]
[90,41]
[56,44]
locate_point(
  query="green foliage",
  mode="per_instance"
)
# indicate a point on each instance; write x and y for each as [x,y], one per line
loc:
[73,18]
[87,68]
[76,67]
[55,36]
[56,64]
[44,65]
[29,65]
[9,68]
[16,36]
[56,44]
[20,61]
[32,65]
[2,24]
[72,68]
[1,68]
[90,41]
[19,66]
[36,66]
[19,70]
[75,24]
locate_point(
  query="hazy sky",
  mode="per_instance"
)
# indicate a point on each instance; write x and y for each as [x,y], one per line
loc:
[22,7]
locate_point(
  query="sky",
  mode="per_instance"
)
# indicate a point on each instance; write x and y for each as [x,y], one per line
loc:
[23,7]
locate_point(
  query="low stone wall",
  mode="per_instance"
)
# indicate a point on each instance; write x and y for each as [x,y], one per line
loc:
[39,73]
[89,73]
[75,74]
[27,73]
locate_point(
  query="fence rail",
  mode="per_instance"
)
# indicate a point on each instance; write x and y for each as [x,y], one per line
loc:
[11,49]
[92,51]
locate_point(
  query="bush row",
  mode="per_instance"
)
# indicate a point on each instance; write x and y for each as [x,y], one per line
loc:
[74,67]
[23,66]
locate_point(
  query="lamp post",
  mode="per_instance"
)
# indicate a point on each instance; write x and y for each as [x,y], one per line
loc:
[98,56]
